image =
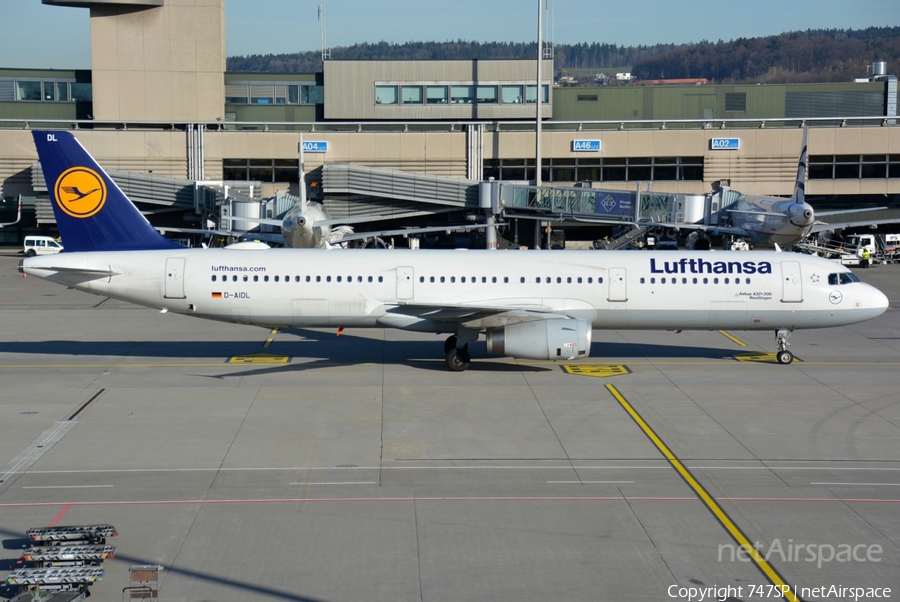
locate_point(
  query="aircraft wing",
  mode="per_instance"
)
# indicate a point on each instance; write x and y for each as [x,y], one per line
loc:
[268,237]
[842,211]
[824,227]
[511,311]
[820,226]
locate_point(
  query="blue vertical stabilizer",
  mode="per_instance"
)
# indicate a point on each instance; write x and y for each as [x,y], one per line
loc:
[91,212]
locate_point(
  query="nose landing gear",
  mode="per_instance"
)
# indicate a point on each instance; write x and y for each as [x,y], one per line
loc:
[783,355]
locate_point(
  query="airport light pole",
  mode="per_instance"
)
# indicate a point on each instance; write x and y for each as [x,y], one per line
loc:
[537,103]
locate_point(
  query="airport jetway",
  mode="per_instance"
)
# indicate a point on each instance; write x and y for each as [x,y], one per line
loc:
[355,191]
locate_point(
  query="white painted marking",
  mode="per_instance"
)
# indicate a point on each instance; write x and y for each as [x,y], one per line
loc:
[590,482]
[566,466]
[865,484]
[66,486]
[338,483]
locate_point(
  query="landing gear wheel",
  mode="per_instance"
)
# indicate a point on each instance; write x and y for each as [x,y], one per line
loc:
[450,343]
[458,359]
[784,357]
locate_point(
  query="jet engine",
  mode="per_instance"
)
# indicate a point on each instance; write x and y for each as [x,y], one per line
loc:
[560,339]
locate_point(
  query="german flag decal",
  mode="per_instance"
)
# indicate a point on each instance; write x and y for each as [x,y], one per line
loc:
[217,295]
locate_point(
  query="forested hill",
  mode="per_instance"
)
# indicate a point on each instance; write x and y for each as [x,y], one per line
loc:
[822,55]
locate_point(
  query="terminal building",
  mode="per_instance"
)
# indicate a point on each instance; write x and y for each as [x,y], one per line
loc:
[410,141]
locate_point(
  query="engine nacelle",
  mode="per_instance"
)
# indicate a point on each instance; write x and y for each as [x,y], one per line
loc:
[542,340]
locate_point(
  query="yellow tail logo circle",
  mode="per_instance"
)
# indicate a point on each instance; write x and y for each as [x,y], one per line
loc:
[80,192]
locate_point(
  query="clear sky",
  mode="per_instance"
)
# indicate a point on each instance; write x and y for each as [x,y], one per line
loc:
[39,36]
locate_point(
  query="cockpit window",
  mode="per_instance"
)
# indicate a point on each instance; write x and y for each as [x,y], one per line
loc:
[842,278]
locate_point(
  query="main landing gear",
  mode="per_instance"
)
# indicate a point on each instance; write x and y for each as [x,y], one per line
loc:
[783,355]
[457,358]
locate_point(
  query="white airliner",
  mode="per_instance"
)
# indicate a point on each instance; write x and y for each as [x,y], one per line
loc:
[764,221]
[528,304]
[307,225]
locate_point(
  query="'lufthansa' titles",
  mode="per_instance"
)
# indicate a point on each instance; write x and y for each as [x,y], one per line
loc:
[702,266]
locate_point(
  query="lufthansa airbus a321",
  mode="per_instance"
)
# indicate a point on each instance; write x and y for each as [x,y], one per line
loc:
[528,304]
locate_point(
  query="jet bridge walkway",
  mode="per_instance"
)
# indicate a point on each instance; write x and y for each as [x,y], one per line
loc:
[363,191]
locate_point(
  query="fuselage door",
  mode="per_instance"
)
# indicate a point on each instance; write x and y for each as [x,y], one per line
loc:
[617,285]
[174,278]
[404,282]
[792,284]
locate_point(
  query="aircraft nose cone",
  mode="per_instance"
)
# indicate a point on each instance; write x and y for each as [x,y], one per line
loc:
[879,300]
[802,213]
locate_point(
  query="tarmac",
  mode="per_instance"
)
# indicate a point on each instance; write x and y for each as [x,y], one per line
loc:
[304,466]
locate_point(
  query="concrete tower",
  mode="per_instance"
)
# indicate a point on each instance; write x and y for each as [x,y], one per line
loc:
[156,60]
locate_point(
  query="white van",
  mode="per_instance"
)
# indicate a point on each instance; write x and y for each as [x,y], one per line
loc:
[41,245]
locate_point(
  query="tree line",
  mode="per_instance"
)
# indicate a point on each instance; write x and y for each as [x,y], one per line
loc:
[821,55]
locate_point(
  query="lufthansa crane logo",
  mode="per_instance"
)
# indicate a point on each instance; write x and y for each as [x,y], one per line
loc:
[80,192]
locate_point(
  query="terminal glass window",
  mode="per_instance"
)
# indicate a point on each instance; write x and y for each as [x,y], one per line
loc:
[639,169]
[874,166]
[234,169]
[486,94]
[846,167]
[293,95]
[385,95]
[598,170]
[81,93]
[512,94]
[286,170]
[589,170]
[614,169]
[531,94]
[462,94]
[237,94]
[261,169]
[312,95]
[665,168]
[262,95]
[690,168]
[28,90]
[15,90]
[411,95]
[436,95]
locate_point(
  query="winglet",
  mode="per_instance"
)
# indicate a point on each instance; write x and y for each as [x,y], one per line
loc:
[800,182]
[92,213]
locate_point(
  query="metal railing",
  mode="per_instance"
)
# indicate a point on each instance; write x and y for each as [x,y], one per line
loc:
[323,127]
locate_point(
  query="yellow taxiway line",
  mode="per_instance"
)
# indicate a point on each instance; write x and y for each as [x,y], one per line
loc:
[761,563]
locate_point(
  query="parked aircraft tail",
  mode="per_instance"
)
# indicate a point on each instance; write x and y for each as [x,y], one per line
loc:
[92,213]
[800,182]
